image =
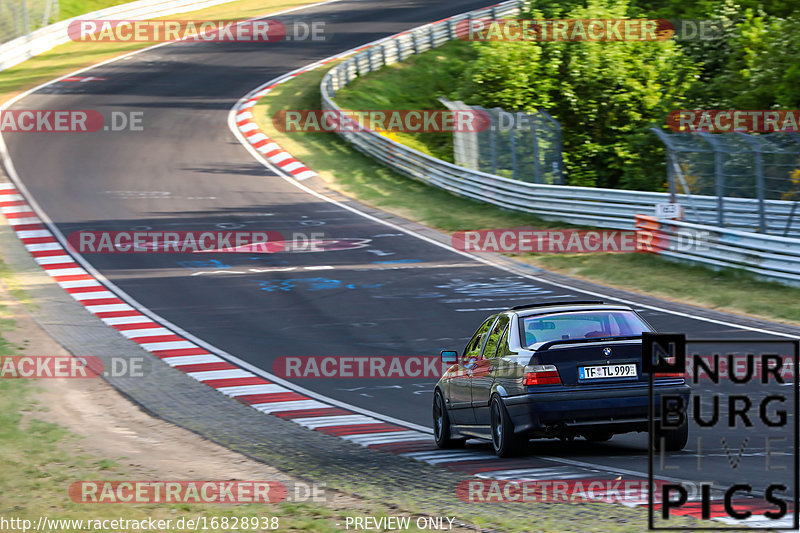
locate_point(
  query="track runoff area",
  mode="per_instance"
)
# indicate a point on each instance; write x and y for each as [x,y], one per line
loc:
[371,289]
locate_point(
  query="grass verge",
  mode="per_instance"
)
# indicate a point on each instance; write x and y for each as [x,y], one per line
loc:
[361,177]
[39,464]
[72,56]
[414,84]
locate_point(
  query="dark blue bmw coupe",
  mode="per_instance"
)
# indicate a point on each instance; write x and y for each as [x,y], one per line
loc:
[556,370]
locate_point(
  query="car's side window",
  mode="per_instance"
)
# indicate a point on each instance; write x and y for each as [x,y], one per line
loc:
[494,337]
[502,346]
[473,348]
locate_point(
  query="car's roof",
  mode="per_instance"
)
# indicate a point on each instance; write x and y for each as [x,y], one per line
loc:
[558,307]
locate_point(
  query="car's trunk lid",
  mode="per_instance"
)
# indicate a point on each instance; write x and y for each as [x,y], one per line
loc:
[593,361]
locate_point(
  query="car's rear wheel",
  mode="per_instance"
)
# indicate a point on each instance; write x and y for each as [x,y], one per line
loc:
[441,424]
[504,442]
[674,439]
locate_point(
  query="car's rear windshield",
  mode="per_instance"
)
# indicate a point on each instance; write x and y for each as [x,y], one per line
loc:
[581,325]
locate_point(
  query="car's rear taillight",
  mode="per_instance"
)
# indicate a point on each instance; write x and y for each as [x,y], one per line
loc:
[541,375]
[681,375]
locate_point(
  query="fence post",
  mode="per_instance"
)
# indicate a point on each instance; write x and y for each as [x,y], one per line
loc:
[512,138]
[719,182]
[537,169]
[26,23]
[493,141]
[762,224]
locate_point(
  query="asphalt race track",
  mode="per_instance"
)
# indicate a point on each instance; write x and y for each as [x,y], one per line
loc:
[395,295]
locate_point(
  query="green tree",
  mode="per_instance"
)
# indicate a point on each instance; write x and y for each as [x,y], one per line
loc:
[604,94]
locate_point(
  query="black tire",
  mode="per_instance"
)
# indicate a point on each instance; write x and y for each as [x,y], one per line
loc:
[599,436]
[674,439]
[441,424]
[504,442]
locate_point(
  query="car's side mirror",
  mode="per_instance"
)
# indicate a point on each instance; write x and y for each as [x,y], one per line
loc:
[449,357]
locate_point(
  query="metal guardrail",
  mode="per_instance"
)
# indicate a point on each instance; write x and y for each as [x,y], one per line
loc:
[771,257]
[767,256]
[21,49]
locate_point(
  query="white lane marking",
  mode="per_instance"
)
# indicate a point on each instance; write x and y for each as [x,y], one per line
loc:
[78,283]
[522,474]
[172,345]
[146,332]
[297,405]
[424,456]
[54,259]
[108,308]
[118,320]
[15,209]
[97,295]
[33,233]
[472,457]
[43,247]
[21,221]
[192,360]
[74,271]
[220,374]
[333,421]
[387,438]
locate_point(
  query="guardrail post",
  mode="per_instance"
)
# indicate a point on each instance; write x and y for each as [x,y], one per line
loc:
[432,38]
[451,30]
[399,49]
[414,42]
[369,59]
[383,55]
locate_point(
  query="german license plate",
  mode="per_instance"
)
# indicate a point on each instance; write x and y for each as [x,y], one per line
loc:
[607,371]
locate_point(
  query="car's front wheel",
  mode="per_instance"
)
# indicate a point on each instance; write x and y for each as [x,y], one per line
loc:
[441,424]
[504,442]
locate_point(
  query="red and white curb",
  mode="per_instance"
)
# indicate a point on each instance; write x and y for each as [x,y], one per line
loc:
[182,353]
[266,146]
[263,144]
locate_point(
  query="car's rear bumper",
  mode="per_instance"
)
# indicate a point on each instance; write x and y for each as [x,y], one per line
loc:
[578,412]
